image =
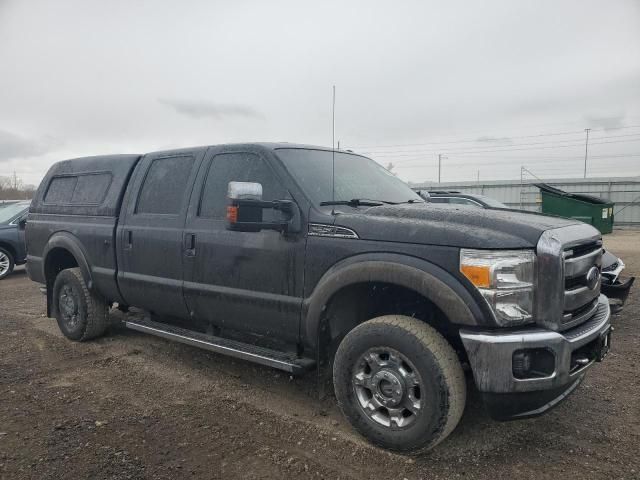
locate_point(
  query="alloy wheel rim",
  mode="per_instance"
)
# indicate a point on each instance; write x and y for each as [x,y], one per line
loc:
[4,263]
[68,306]
[388,388]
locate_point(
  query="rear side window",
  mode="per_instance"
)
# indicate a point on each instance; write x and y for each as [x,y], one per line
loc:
[164,187]
[60,190]
[91,189]
[237,167]
[85,189]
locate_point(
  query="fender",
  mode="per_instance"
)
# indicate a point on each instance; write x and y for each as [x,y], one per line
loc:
[426,278]
[69,242]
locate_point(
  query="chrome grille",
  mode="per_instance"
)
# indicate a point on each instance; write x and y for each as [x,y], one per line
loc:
[565,297]
[580,299]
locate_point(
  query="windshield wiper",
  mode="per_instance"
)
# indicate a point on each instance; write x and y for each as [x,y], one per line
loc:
[413,200]
[355,202]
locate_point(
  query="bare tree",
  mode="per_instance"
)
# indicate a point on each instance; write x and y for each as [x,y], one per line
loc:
[13,188]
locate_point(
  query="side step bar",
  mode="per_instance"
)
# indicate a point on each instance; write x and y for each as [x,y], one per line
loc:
[265,356]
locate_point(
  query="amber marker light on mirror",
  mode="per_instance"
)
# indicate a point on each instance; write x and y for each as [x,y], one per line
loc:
[232,214]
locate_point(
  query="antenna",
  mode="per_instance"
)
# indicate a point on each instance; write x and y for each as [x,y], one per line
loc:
[333,151]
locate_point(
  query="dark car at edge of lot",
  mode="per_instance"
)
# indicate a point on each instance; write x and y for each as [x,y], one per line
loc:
[13,217]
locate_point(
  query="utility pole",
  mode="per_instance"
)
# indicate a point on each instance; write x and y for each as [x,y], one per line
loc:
[15,180]
[521,183]
[440,157]
[586,150]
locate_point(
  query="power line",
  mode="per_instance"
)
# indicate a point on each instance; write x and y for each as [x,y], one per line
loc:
[413,154]
[526,157]
[495,139]
[502,161]
[390,152]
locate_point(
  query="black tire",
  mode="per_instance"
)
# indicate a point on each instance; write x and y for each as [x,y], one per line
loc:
[81,314]
[6,257]
[428,374]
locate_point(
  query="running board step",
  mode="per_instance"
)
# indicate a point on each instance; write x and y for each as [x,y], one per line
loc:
[265,356]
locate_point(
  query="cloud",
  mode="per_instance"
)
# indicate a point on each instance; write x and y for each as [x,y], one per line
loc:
[15,146]
[607,123]
[205,109]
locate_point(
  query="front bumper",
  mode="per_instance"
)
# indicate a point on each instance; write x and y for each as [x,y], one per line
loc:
[491,356]
[617,291]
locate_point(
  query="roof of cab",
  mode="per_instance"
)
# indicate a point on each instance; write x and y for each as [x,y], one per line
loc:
[264,145]
[120,168]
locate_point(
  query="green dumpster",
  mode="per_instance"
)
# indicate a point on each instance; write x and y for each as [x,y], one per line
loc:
[586,208]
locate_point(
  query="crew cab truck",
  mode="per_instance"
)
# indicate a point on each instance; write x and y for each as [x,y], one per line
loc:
[300,257]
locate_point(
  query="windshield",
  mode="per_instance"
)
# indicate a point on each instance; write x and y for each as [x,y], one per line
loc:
[9,212]
[356,177]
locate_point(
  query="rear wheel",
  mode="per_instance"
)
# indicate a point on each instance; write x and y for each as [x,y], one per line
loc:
[6,263]
[81,314]
[399,383]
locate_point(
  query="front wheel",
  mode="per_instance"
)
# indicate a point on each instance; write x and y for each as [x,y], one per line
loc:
[6,263]
[399,383]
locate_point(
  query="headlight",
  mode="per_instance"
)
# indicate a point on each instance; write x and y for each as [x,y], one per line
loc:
[506,280]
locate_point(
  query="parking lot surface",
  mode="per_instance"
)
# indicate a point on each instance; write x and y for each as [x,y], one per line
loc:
[136,406]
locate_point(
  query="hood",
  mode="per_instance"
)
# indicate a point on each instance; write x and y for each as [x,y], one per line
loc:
[446,225]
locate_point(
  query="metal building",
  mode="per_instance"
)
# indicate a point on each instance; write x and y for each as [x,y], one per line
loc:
[623,191]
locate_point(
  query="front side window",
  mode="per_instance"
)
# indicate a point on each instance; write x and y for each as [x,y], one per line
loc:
[492,202]
[356,177]
[236,167]
[466,202]
[165,186]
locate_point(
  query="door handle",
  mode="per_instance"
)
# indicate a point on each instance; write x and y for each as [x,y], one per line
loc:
[190,244]
[128,244]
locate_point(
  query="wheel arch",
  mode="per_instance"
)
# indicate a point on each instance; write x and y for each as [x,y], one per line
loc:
[65,241]
[9,248]
[63,250]
[426,279]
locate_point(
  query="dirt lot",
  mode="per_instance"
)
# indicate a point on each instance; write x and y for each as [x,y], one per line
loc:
[135,406]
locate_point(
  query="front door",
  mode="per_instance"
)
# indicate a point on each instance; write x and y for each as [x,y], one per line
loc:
[150,232]
[243,281]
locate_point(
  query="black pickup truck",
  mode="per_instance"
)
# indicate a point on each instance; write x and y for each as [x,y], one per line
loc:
[304,258]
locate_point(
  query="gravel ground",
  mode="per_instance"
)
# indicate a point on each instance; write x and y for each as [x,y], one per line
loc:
[136,406]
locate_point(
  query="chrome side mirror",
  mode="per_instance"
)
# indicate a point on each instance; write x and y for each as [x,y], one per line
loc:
[245,207]
[244,191]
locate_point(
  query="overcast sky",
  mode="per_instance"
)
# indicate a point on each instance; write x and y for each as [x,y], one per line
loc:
[484,83]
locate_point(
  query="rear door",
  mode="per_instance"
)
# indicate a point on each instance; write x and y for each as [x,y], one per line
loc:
[150,231]
[243,281]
